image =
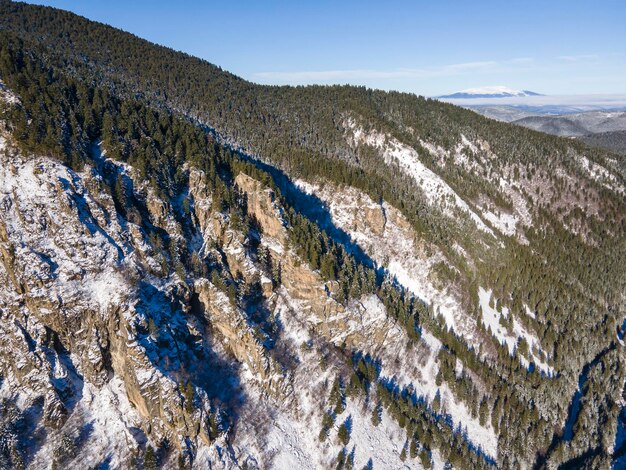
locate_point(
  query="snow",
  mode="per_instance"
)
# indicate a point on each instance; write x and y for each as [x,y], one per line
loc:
[504,222]
[529,312]
[407,262]
[45,203]
[416,367]
[286,435]
[424,384]
[491,320]
[395,247]
[107,423]
[74,257]
[467,143]
[522,213]
[435,189]
[477,161]
[601,174]
[7,95]
[494,90]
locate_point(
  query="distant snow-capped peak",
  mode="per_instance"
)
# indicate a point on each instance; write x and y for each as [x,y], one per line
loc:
[490,92]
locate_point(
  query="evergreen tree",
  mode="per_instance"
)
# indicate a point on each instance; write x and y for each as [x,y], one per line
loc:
[343,434]
[150,460]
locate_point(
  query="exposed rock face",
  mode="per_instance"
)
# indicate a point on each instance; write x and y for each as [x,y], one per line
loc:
[99,333]
[373,218]
[302,283]
[241,340]
[78,308]
[99,329]
[89,311]
[262,204]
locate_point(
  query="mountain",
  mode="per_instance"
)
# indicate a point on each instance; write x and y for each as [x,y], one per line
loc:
[489,92]
[614,141]
[197,271]
[598,128]
[578,124]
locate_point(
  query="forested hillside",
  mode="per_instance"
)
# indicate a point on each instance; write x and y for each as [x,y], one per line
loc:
[455,283]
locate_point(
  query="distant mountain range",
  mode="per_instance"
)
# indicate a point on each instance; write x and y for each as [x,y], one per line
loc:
[599,120]
[489,92]
[576,125]
[598,128]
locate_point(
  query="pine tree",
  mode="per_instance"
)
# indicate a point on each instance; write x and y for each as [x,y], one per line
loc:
[483,412]
[343,434]
[336,397]
[189,392]
[327,423]
[413,448]
[376,413]
[403,453]
[341,459]
[150,460]
[436,405]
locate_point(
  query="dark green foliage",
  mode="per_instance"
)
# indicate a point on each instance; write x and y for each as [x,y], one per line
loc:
[341,459]
[337,396]
[188,392]
[150,459]
[212,426]
[343,434]
[327,422]
[403,452]
[376,414]
[413,448]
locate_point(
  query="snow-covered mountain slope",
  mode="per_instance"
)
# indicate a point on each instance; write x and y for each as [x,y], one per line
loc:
[70,264]
[489,92]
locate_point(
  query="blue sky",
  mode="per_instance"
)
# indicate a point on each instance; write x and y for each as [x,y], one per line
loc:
[425,47]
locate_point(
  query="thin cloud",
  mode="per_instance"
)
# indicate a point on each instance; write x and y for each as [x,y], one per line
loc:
[356,75]
[368,74]
[579,58]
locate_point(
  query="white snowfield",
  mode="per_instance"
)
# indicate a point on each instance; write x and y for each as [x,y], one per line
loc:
[438,193]
[474,157]
[7,95]
[290,439]
[395,247]
[436,190]
[602,175]
[34,190]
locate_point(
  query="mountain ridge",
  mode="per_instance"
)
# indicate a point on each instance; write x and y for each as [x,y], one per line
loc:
[489,92]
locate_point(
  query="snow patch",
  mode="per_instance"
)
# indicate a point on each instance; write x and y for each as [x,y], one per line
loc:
[436,190]
[7,95]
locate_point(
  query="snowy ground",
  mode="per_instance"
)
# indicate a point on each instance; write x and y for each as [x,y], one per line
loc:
[436,190]
[491,320]
[396,246]
[285,435]
[408,260]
